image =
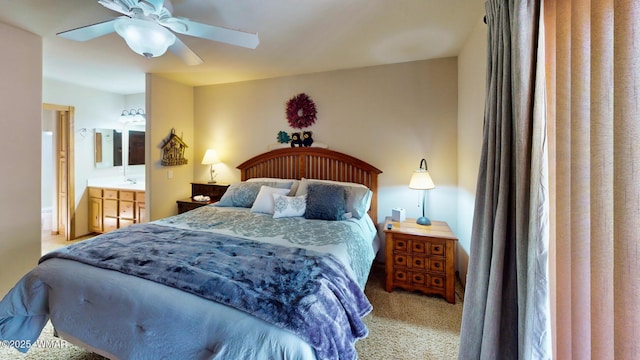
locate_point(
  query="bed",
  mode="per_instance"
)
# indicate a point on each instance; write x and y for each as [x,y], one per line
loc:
[249,277]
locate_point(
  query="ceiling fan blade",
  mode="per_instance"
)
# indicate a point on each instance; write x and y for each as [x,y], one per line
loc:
[183,52]
[168,5]
[211,32]
[151,6]
[89,32]
[118,6]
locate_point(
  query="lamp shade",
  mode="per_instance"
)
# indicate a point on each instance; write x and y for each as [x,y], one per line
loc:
[421,180]
[145,37]
[210,157]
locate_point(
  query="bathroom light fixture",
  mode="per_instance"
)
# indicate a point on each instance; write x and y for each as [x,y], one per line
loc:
[144,37]
[421,180]
[133,116]
[211,158]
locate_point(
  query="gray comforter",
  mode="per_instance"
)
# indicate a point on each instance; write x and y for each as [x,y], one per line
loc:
[307,293]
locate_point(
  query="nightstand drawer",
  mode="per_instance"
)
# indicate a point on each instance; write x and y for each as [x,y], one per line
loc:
[401,260]
[437,282]
[436,265]
[401,244]
[436,249]
[419,262]
[416,262]
[401,276]
[419,278]
[418,247]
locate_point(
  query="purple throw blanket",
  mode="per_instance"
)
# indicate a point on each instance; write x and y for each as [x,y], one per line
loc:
[305,292]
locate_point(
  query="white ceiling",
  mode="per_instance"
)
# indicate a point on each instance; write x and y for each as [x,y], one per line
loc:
[296,37]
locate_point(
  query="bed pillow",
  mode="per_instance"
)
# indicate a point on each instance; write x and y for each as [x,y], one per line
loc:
[243,194]
[264,201]
[358,196]
[289,206]
[293,183]
[325,202]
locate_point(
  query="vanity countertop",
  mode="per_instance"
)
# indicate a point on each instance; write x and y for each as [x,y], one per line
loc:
[117,184]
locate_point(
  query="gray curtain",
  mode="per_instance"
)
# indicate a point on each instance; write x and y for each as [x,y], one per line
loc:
[506,306]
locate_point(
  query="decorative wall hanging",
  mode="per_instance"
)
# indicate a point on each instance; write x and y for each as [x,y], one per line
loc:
[173,150]
[283,137]
[301,111]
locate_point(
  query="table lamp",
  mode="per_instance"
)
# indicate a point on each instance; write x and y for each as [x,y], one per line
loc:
[211,158]
[421,180]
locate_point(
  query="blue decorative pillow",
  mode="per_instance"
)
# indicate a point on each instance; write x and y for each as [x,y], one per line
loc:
[358,196]
[244,194]
[325,202]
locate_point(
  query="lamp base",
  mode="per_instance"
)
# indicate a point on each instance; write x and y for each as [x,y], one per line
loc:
[423,220]
[211,182]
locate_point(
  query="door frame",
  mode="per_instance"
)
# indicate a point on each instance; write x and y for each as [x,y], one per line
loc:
[65,128]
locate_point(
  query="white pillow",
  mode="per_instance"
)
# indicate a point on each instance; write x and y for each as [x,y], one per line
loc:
[264,201]
[292,182]
[289,206]
[358,199]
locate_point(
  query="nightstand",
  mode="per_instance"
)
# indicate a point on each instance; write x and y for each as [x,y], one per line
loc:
[420,257]
[213,191]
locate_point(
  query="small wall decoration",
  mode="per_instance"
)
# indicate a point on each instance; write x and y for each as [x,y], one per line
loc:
[173,150]
[306,138]
[283,137]
[296,140]
[301,111]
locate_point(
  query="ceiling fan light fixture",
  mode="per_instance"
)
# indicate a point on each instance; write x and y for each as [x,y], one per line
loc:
[145,37]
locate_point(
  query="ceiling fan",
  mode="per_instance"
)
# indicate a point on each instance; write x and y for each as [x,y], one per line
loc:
[148,28]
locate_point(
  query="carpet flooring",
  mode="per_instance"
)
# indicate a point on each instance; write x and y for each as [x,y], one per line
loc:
[409,326]
[402,325]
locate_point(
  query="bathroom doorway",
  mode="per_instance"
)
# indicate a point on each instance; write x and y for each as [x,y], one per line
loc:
[58,195]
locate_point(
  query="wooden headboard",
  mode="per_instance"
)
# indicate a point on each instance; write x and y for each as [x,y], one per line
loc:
[314,163]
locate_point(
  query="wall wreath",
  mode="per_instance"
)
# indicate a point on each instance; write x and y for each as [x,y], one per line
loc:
[301,111]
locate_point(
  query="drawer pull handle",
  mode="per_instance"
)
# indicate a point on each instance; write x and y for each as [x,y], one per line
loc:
[436,248]
[418,247]
[418,262]
[418,278]
[436,281]
[436,265]
[400,275]
[400,243]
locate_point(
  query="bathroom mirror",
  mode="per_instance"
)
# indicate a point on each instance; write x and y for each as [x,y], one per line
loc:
[108,148]
[136,147]
[111,146]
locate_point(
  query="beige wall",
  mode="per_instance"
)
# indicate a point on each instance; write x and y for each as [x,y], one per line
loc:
[169,106]
[472,63]
[21,101]
[390,116]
